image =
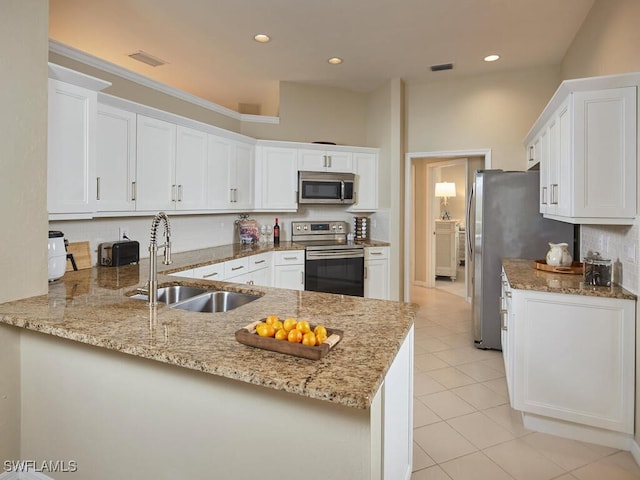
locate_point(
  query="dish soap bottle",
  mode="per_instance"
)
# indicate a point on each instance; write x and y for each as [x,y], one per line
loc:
[276,234]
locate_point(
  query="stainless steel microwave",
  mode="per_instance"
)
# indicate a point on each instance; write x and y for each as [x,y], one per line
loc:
[326,187]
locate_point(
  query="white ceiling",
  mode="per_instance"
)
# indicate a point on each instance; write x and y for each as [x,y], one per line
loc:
[210,50]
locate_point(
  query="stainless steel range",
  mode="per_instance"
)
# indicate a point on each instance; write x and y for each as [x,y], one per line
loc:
[332,264]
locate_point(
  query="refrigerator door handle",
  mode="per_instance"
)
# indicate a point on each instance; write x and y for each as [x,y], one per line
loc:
[468,220]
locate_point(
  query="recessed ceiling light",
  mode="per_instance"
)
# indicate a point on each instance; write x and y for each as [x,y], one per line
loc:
[262,38]
[335,60]
[147,58]
[491,58]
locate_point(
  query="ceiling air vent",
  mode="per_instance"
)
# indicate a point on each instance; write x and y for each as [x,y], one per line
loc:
[442,66]
[147,58]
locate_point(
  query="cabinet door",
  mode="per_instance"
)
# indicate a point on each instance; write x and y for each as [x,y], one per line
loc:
[541,149]
[210,272]
[365,166]
[276,172]
[191,169]
[325,161]
[116,160]
[574,358]
[71,148]
[446,233]
[242,176]
[564,171]
[219,175]
[289,276]
[340,161]
[376,279]
[155,166]
[262,277]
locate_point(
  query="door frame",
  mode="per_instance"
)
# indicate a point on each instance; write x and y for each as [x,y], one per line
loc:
[410,159]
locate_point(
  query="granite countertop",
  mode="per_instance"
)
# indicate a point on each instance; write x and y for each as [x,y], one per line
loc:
[93,307]
[522,275]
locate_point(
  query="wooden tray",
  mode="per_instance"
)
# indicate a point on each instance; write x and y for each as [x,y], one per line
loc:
[248,336]
[576,268]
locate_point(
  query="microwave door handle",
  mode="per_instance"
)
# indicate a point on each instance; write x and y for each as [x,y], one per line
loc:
[342,190]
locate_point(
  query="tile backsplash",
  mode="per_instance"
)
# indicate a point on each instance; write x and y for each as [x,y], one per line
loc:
[618,243]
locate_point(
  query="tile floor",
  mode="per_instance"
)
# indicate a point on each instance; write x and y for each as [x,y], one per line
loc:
[464,427]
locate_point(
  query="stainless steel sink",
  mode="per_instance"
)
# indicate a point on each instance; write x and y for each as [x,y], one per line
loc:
[218,301]
[173,294]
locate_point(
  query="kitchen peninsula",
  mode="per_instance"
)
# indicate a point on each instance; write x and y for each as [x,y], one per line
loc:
[127,390]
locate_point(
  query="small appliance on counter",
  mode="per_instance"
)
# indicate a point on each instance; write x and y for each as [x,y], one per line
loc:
[116,254]
[57,255]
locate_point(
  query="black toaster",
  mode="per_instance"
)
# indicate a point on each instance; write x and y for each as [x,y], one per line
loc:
[115,254]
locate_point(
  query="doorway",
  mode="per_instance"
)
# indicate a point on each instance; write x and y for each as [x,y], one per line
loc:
[423,171]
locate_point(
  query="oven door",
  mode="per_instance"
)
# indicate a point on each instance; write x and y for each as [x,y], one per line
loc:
[335,271]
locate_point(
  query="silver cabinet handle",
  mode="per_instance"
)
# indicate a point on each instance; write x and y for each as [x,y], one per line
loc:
[97,188]
[133,191]
[503,315]
[290,258]
[324,161]
[366,275]
[554,194]
[375,253]
[508,294]
[329,157]
[543,201]
[531,153]
[237,268]
[212,274]
[173,193]
[231,195]
[179,193]
[258,261]
[301,278]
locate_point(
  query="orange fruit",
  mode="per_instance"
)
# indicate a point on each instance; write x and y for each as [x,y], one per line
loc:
[289,324]
[281,334]
[303,326]
[320,337]
[262,329]
[320,329]
[277,325]
[271,319]
[309,338]
[294,336]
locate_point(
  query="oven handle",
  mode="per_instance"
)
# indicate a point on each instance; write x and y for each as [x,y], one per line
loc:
[334,254]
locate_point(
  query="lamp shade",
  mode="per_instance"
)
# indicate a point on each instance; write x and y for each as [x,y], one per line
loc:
[445,189]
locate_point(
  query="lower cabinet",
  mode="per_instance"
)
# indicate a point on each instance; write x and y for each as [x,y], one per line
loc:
[446,234]
[570,357]
[376,272]
[288,269]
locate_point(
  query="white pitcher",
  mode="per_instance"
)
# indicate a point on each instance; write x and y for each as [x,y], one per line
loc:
[558,255]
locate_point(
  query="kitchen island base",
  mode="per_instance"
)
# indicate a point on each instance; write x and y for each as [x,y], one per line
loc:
[120,416]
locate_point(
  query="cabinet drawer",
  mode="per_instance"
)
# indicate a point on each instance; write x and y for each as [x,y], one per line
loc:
[259,261]
[236,267]
[376,253]
[210,272]
[290,257]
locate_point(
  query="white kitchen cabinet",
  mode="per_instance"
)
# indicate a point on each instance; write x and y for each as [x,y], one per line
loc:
[276,179]
[210,272]
[365,166]
[506,311]
[572,358]
[190,191]
[446,233]
[231,171]
[188,273]
[116,160]
[376,272]
[325,161]
[71,149]
[289,269]
[589,176]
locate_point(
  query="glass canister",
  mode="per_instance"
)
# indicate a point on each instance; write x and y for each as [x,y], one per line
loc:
[597,271]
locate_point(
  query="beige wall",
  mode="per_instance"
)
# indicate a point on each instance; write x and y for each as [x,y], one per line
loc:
[488,111]
[607,41]
[23,186]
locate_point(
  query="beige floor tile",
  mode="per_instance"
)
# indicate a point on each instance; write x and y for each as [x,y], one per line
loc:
[498,385]
[457,340]
[497,363]
[441,442]
[566,476]
[423,415]
[619,466]
[447,405]
[431,473]
[475,466]
[431,345]
[437,331]
[480,430]
[480,396]
[479,371]
[522,461]
[424,384]
[601,450]
[507,418]
[569,454]
[460,355]
[450,377]
[428,361]
[420,458]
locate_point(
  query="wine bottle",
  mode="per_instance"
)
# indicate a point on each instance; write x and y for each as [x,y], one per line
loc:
[276,233]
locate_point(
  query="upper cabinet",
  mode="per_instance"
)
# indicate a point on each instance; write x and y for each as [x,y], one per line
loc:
[325,161]
[365,166]
[585,145]
[276,178]
[71,148]
[231,167]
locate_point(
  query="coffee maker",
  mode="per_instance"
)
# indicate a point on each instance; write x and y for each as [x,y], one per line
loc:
[57,255]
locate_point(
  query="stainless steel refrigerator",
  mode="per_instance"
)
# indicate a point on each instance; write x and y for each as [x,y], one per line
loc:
[503,221]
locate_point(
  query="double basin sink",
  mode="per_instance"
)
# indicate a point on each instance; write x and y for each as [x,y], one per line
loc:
[195,299]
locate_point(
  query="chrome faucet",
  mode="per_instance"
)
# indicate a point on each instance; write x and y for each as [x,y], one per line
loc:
[153,255]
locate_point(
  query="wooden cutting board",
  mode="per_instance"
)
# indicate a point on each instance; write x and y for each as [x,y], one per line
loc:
[81,254]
